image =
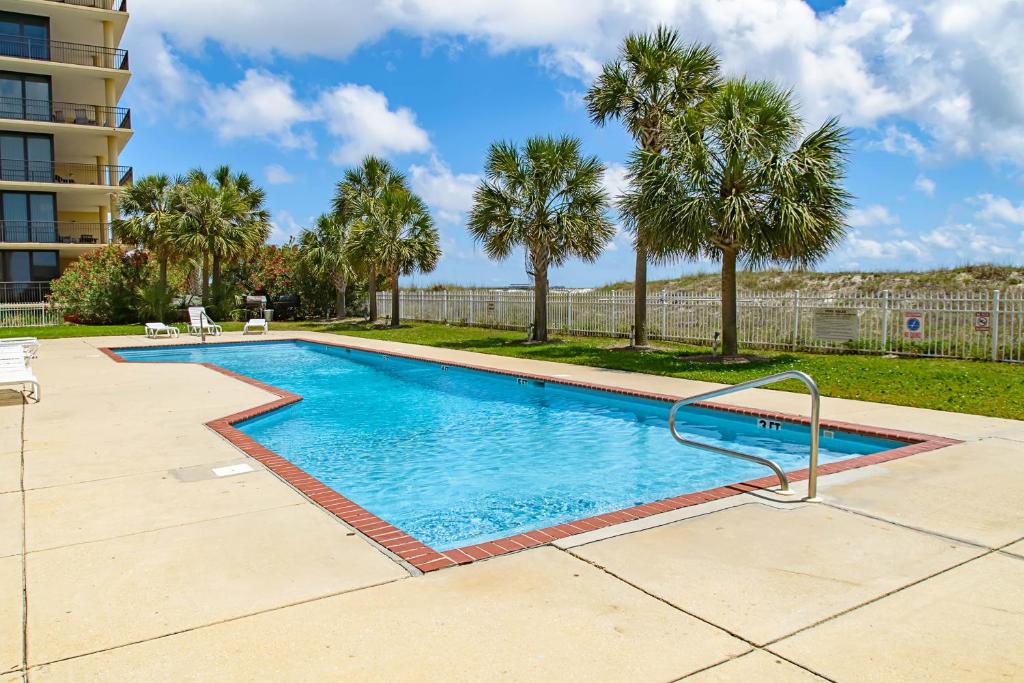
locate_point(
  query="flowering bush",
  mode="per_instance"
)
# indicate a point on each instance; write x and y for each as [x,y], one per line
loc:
[101,287]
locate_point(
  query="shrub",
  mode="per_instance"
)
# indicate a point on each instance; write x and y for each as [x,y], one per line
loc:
[102,287]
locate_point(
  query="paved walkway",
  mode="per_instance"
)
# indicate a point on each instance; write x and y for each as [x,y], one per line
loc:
[123,558]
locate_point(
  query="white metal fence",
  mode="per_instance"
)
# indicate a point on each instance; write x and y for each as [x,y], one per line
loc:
[981,325]
[28,315]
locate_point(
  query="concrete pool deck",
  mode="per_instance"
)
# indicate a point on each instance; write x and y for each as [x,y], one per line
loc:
[136,562]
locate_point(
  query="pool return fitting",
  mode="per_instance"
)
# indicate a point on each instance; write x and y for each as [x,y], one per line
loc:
[812,469]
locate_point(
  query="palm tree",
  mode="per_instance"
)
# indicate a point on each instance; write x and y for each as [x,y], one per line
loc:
[548,198]
[400,233]
[148,207]
[355,198]
[736,181]
[655,79]
[219,218]
[325,251]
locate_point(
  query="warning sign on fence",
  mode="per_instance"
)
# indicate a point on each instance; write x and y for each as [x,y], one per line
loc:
[835,324]
[913,325]
[982,321]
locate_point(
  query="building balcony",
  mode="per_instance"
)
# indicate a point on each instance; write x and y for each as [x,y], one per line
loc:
[24,292]
[53,232]
[65,112]
[64,173]
[63,52]
[115,5]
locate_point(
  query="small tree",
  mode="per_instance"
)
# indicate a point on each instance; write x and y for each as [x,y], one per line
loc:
[355,199]
[655,79]
[548,198]
[402,237]
[326,253]
[736,181]
[102,287]
[148,207]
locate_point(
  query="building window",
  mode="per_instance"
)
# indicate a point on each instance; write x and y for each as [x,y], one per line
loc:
[26,158]
[24,35]
[29,217]
[29,266]
[24,96]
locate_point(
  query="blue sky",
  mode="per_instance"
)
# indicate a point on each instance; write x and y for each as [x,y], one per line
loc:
[933,94]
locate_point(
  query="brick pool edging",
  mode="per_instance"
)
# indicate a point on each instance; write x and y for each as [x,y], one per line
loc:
[427,559]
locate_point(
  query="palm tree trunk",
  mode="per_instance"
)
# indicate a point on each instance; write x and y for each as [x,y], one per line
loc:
[540,303]
[163,287]
[640,298]
[371,293]
[205,284]
[217,293]
[396,300]
[729,345]
[339,298]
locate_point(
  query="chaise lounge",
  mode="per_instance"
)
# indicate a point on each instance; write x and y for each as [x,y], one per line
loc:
[14,369]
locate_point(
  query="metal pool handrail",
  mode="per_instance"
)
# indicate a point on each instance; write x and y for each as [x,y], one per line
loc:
[812,469]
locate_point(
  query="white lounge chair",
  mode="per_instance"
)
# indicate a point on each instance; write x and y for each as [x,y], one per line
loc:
[14,369]
[154,330]
[257,324]
[29,344]
[199,321]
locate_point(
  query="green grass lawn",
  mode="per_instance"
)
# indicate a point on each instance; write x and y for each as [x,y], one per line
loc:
[981,388]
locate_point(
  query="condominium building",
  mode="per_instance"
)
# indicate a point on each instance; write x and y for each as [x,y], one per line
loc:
[61,136]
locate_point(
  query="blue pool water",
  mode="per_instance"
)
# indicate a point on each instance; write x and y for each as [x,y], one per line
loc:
[455,456]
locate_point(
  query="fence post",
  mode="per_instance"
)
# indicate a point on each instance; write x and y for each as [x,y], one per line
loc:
[613,333]
[664,315]
[885,320]
[568,314]
[796,317]
[445,305]
[469,317]
[995,325]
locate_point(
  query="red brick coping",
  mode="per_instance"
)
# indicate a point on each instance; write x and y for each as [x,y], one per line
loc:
[427,559]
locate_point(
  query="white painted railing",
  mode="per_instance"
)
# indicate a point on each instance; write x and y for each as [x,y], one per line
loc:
[28,315]
[982,325]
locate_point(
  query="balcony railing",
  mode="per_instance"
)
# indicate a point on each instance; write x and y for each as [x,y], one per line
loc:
[63,172]
[116,5]
[53,232]
[65,112]
[24,292]
[60,51]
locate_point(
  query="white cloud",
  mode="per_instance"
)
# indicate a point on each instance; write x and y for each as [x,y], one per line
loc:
[449,194]
[949,69]
[278,175]
[925,185]
[996,209]
[898,141]
[860,246]
[261,105]
[283,226]
[872,215]
[614,180]
[360,117]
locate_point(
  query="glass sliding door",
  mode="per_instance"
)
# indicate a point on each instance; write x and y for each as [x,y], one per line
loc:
[24,35]
[26,158]
[30,217]
[24,96]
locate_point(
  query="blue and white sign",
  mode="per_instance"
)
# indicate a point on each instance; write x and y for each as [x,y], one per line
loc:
[913,325]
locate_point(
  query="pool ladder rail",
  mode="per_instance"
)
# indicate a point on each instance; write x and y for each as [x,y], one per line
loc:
[812,469]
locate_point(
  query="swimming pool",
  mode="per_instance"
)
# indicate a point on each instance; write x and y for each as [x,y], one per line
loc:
[457,456]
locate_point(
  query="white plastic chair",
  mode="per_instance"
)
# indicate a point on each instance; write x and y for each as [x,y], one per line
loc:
[154,330]
[199,321]
[29,344]
[256,324]
[14,369]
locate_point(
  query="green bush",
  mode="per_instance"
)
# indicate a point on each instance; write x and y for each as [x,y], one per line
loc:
[103,287]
